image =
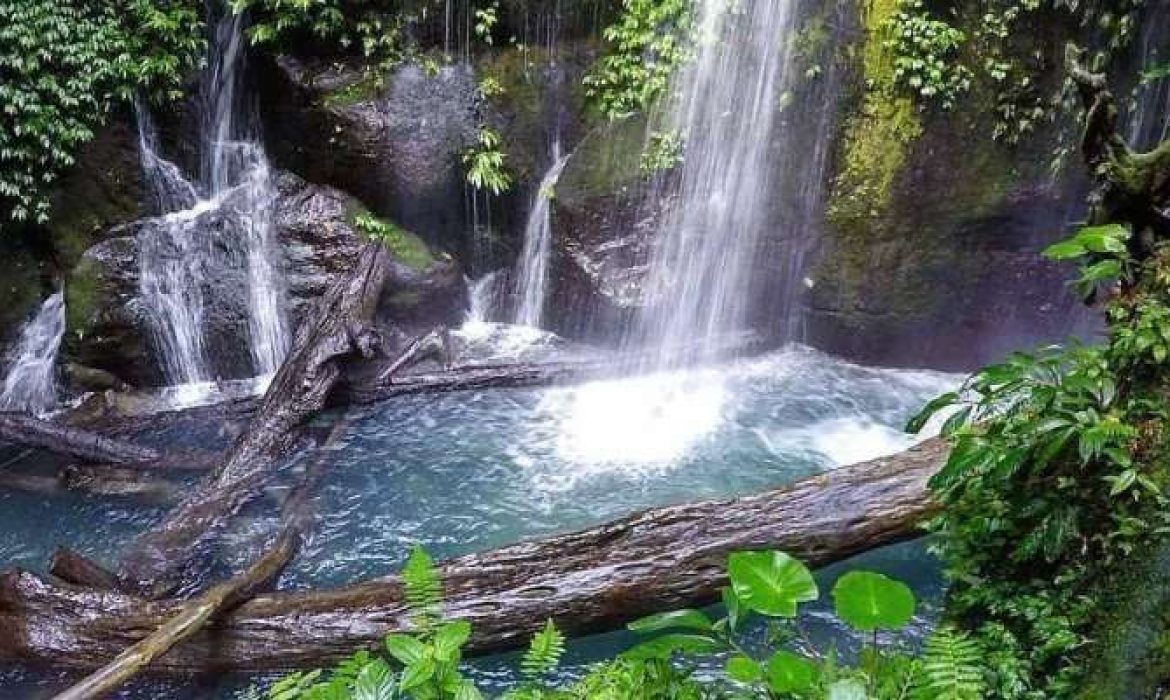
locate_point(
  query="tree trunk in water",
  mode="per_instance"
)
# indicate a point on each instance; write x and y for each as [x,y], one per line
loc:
[337,330]
[76,443]
[588,581]
[192,617]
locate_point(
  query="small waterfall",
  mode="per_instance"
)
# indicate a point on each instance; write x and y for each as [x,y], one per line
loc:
[178,252]
[169,190]
[481,298]
[31,383]
[533,272]
[702,270]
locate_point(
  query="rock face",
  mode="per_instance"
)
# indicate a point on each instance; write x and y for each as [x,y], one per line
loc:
[396,138]
[392,140]
[110,329]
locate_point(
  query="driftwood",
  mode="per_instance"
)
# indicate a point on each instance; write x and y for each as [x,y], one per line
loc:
[336,330]
[592,580]
[471,377]
[83,445]
[72,567]
[190,618]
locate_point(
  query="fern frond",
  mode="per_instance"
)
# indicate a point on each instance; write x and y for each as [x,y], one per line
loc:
[544,651]
[951,668]
[422,589]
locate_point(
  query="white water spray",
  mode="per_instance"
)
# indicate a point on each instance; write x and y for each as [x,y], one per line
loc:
[178,254]
[30,384]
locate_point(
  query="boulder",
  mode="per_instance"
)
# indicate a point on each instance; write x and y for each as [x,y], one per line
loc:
[109,327]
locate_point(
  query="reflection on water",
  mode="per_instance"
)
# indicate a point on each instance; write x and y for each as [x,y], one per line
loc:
[463,472]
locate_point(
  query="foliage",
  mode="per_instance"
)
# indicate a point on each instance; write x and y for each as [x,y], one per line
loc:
[64,64]
[485,163]
[370,28]
[646,44]
[1057,477]
[664,151]
[409,250]
[424,665]
[925,49]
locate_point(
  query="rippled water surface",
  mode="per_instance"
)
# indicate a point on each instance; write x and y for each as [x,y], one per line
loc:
[463,472]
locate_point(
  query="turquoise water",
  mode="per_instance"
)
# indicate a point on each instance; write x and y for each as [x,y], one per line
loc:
[465,472]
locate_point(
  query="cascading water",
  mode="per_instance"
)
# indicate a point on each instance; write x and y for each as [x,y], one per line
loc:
[30,384]
[533,270]
[1149,118]
[179,253]
[701,273]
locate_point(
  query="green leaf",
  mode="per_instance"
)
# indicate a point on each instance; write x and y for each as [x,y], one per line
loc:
[406,649]
[734,607]
[869,601]
[450,638]
[374,682]
[919,421]
[468,691]
[770,583]
[544,651]
[743,669]
[417,674]
[677,619]
[791,673]
[666,645]
[1109,238]
[1065,250]
[1122,482]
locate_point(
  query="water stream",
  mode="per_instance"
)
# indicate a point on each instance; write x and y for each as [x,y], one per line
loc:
[533,270]
[30,384]
[198,235]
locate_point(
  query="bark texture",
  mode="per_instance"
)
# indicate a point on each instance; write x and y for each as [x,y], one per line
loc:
[338,329]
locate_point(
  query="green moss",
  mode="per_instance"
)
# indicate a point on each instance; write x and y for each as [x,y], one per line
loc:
[878,138]
[368,86]
[81,295]
[606,161]
[407,248]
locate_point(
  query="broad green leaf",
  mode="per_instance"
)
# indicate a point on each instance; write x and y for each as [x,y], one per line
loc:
[1065,250]
[677,619]
[449,639]
[869,601]
[406,649]
[1109,238]
[770,583]
[374,682]
[666,645]
[791,673]
[919,421]
[417,674]
[743,669]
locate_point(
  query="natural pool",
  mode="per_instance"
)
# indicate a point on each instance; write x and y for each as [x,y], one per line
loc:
[463,472]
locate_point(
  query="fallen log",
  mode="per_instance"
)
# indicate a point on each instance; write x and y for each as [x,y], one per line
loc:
[588,581]
[191,618]
[22,429]
[337,329]
[473,377]
[72,567]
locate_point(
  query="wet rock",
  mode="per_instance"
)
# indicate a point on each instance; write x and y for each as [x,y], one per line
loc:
[601,234]
[109,326]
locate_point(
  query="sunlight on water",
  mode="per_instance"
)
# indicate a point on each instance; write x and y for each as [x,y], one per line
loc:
[650,420]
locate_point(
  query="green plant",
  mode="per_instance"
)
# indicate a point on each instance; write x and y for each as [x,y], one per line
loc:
[371,28]
[485,163]
[407,248]
[1057,476]
[485,21]
[773,585]
[925,54]
[64,65]
[645,45]
[664,151]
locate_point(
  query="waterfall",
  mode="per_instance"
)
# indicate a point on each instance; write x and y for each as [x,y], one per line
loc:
[179,254]
[533,272]
[31,384]
[702,270]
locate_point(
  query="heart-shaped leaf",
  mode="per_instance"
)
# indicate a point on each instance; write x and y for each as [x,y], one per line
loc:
[869,601]
[770,583]
[790,673]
